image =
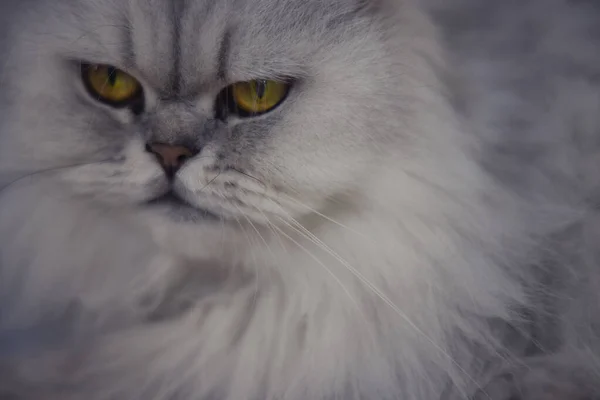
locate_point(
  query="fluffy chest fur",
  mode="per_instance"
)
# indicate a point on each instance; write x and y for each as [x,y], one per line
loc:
[409,222]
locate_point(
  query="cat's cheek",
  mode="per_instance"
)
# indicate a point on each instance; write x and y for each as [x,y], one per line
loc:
[115,189]
[134,177]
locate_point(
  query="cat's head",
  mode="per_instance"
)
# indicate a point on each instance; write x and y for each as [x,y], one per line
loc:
[201,109]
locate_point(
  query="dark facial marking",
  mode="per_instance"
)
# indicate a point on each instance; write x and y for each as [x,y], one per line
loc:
[177,11]
[129,48]
[223,55]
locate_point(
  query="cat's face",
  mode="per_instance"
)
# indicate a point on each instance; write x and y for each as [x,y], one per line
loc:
[106,88]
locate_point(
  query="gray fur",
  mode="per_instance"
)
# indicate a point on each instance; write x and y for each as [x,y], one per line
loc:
[418,220]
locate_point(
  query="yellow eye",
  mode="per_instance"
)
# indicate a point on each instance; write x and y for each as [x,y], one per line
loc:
[258,96]
[109,84]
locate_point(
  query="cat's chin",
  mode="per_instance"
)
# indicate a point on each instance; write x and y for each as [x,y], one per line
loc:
[177,209]
[193,234]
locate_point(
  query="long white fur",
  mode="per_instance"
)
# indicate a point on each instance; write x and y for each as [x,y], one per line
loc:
[382,254]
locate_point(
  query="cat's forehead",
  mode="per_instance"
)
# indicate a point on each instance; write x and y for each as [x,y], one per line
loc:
[267,37]
[185,43]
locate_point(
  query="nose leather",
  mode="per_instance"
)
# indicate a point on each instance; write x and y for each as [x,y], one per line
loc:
[170,157]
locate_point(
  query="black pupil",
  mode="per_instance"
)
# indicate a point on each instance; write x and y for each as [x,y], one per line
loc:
[261,88]
[112,76]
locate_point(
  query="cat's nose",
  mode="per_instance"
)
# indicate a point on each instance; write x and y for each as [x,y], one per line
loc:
[170,157]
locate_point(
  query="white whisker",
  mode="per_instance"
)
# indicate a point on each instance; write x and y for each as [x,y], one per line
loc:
[315,258]
[255,230]
[315,212]
[260,236]
[379,294]
[276,234]
[270,225]
[250,242]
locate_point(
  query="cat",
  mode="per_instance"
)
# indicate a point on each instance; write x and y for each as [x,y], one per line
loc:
[291,200]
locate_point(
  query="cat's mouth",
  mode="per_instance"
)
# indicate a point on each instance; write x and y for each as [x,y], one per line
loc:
[178,207]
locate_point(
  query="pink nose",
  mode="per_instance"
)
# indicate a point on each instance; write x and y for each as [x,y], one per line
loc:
[170,157]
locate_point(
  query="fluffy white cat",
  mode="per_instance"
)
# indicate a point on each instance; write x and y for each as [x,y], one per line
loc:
[298,199]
